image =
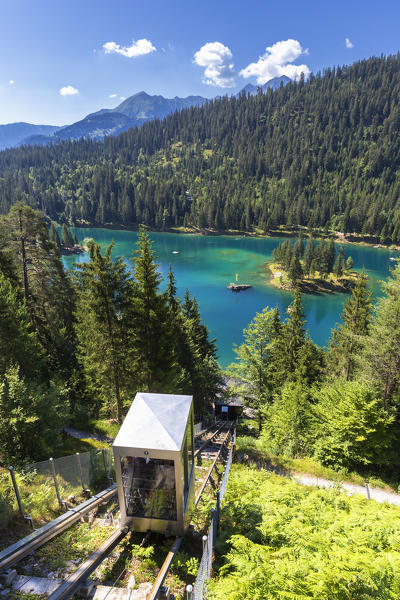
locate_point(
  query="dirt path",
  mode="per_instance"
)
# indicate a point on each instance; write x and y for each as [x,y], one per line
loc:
[350,488]
[77,433]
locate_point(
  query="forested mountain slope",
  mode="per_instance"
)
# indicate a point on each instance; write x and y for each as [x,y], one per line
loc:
[325,152]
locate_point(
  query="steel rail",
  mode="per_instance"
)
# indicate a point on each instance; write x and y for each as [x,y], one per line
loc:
[164,570]
[170,557]
[16,552]
[209,440]
[210,470]
[74,582]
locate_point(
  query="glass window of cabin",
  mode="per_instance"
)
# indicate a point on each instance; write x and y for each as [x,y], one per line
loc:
[185,469]
[149,487]
[190,441]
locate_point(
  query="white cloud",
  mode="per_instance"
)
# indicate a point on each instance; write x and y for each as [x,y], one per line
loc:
[68,90]
[348,43]
[218,62]
[11,82]
[122,98]
[112,95]
[138,48]
[277,61]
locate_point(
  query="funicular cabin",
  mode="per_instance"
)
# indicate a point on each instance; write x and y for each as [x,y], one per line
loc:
[154,463]
[228,410]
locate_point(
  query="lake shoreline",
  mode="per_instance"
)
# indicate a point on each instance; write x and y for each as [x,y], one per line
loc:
[314,286]
[339,238]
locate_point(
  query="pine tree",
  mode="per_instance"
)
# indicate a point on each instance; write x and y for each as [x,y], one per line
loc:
[150,328]
[170,293]
[293,335]
[295,271]
[47,288]
[349,264]
[197,357]
[348,337]
[53,235]
[66,237]
[253,371]
[18,343]
[308,256]
[340,263]
[330,257]
[380,359]
[298,249]
[32,417]
[101,329]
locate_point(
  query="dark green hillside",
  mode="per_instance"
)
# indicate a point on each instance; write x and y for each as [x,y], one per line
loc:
[325,152]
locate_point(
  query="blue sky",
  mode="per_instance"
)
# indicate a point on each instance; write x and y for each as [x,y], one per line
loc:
[94,49]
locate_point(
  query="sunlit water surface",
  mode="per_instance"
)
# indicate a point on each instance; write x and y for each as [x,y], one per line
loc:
[207,264]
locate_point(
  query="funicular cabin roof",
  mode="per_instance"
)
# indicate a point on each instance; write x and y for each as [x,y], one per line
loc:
[155,422]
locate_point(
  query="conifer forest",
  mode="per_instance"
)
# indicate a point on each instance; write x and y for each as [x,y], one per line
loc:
[318,153]
[320,156]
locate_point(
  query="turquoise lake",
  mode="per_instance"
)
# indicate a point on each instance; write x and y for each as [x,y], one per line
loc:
[207,264]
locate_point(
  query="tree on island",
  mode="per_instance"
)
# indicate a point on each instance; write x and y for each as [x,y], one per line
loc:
[295,271]
[66,237]
[53,235]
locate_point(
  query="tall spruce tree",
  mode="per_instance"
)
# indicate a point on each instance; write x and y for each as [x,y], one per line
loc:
[295,271]
[294,331]
[308,256]
[101,327]
[380,359]
[348,337]
[197,357]
[47,288]
[254,370]
[150,327]
[19,344]
[66,236]
[53,235]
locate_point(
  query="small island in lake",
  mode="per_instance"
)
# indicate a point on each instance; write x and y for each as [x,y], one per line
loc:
[238,287]
[315,268]
[68,244]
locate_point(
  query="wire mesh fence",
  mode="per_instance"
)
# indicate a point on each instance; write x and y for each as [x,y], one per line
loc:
[198,427]
[205,567]
[41,489]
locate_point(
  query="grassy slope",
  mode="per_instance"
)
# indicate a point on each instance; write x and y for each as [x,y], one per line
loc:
[279,539]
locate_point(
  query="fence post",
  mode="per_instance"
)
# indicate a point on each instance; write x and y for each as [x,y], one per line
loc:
[107,472]
[86,491]
[78,458]
[18,497]
[367,488]
[189,592]
[61,502]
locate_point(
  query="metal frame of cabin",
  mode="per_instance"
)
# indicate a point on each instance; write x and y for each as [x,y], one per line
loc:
[158,429]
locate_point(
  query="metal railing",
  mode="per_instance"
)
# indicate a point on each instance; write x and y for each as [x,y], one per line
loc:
[199,589]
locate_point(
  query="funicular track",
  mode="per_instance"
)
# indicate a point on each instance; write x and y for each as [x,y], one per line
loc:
[208,443]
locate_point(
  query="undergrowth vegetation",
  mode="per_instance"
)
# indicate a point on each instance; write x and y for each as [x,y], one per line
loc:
[282,540]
